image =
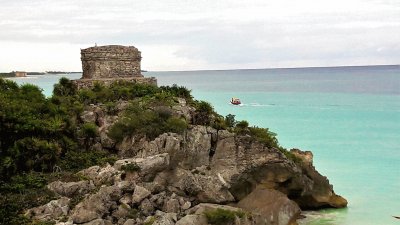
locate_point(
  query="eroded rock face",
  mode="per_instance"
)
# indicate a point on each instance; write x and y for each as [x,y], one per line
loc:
[175,178]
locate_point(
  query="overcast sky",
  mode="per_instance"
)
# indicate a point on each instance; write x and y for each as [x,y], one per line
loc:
[39,35]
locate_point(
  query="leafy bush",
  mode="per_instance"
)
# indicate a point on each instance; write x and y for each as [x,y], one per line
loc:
[219,123]
[204,113]
[223,216]
[142,121]
[77,160]
[20,192]
[175,125]
[111,108]
[65,87]
[178,91]
[230,120]
[265,136]
[131,167]
[242,126]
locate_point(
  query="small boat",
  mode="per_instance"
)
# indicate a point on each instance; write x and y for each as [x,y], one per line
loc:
[235,101]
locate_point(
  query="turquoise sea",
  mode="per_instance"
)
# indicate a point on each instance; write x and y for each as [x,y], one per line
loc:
[349,117]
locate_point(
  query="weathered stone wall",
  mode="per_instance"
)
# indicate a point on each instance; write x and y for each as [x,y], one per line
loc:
[111,61]
[20,74]
[88,83]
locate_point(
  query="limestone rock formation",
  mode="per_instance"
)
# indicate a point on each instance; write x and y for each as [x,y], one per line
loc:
[176,178]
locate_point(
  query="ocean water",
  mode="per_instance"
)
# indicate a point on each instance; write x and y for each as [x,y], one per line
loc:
[349,117]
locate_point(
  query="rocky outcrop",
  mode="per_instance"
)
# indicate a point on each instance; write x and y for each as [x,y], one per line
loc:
[176,178]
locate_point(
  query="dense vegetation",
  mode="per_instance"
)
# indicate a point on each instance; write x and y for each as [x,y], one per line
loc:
[39,136]
[11,74]
[42,139]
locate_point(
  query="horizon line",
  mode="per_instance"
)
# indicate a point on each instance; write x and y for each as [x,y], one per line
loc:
[273,68]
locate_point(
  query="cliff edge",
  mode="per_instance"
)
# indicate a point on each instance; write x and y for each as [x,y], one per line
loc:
[204,173]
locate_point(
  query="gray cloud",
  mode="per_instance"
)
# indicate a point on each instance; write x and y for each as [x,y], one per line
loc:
[217,33]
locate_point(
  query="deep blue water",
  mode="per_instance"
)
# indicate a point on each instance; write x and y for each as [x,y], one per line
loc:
[348,116]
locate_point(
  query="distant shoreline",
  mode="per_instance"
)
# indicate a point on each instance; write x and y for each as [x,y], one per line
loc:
[282,68]
[12,74]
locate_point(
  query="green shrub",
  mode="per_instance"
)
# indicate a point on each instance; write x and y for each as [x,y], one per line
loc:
[230,120]
[131,167]
[289,155]
[111,108]
[265,136]
[223,216]
[77,160]
[178,91]
[219,123]
[64,87]
[242,127]
[89,130]
[138,120]
[175,125]
[204,112]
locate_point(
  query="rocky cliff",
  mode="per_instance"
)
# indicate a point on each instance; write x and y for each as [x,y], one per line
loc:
[202,176]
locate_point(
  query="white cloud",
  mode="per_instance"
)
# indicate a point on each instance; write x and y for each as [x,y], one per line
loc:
[202,34]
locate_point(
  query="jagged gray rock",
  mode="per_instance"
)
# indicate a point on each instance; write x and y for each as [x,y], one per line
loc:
[96,205]
[71,189]
[101,175]
[139,194]
[146,207]
[50,211]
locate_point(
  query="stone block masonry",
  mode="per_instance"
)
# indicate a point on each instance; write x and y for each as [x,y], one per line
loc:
[106,64]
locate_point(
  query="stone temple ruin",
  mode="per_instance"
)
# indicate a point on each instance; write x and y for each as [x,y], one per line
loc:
[110,63]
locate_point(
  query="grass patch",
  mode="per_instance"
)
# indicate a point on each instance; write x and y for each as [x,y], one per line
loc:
[223,216]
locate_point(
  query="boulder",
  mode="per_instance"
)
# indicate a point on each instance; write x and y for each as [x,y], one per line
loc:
[171,206]
[197,215]
[130,222]
[139,194]
[71,189]
[162,218]
[149,166]
[96,205]
[98,222]
[146,207]
[272,205]
[122,211]
[193,220]
[206,188]
[101,175]
[50,211]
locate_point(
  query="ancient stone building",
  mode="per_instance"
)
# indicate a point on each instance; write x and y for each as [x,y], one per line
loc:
[20,74]
[106,64]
